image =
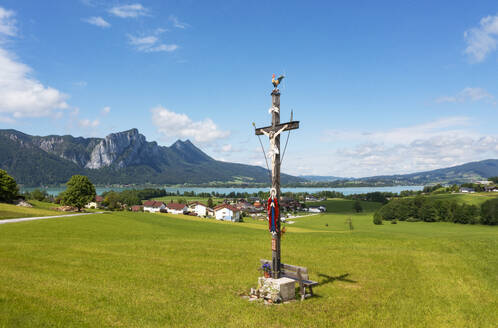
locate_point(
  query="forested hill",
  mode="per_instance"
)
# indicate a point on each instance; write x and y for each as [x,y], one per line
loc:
[120,158]
[468,172]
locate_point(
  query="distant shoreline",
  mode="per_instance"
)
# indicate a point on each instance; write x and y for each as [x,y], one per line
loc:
[226,190]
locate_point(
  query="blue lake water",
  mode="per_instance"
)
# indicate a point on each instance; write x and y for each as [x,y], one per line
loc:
[345,191]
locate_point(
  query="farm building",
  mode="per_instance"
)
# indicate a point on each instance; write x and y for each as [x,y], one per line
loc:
[136,208]
[96,203]
[176,208]
[198,208]
[153,206]
[317,209]
[226,212]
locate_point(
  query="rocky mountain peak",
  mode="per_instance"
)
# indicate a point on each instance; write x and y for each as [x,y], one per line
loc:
[189,152]
[108,150]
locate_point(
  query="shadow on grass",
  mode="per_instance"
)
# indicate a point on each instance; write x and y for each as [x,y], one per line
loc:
[330,279]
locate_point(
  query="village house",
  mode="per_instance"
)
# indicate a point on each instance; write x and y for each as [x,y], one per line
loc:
[226,212]
[176,208]
[198,208]
[153,206]
[243,205]
[317,209]
[96,203]
[490,188]
[467,190]
[484,183]
[136,208]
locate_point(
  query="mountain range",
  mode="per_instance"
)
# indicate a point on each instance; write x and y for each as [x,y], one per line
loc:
[468,172]
[119,158]
[128,158]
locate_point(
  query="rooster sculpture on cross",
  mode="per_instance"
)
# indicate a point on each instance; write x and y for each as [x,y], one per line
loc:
[277,81]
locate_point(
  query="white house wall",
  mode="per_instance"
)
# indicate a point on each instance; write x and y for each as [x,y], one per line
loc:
[200,210]
[227,215]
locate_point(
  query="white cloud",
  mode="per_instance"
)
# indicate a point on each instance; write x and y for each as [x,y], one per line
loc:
[21,95]
[176,22]
[226,148]
[160,30]
[150,43]
[7,22]
[163,47]
[129,11]
[468,94]
[482,40]
[440,143]
[80,84]
[142,41]
[86,123]
[178,125]
[97,21]
[90,3]
[402,135]
[106,110]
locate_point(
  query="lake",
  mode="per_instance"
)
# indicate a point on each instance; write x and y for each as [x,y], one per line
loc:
[346,190]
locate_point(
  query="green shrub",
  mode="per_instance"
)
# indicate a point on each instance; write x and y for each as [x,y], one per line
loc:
[377,219]
[489,212]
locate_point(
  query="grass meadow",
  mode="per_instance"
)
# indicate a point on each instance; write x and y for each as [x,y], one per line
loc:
[8,211]
[126,269]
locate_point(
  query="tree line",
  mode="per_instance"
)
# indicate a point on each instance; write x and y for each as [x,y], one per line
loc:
[425,209]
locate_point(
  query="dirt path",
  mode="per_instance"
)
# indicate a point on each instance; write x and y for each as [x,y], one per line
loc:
[44,217]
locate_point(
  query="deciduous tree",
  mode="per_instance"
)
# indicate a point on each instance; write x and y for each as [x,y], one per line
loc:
[8,187]
[80,191]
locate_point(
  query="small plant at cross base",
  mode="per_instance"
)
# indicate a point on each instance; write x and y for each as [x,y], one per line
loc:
[266,268]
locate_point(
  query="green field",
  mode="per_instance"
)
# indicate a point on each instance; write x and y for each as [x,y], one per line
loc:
[155,270]
[8,211]
[473,199]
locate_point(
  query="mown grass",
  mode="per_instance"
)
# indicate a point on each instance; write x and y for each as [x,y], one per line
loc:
[155,270]
[472,199]
[9,211]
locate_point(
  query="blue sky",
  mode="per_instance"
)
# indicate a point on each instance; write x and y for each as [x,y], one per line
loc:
[379,87]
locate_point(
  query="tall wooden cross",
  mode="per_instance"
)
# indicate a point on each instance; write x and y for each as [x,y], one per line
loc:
[273,132]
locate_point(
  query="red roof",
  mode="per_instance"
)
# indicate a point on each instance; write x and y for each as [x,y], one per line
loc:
[176,206]
[99,199]
[197,203]
[153,203]
[230,207]
[136,208]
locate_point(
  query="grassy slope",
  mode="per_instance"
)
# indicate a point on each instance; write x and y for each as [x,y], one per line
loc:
[8,211]
[139,269]
[473,199]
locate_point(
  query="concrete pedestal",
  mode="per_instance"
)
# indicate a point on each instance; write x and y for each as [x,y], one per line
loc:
[282,289]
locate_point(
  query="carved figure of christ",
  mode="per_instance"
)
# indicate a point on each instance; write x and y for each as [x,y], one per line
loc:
[272,135]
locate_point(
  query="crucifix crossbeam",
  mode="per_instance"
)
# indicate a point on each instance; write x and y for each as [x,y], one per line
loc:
[290,126]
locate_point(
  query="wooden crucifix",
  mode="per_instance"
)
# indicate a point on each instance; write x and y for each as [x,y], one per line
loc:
[273,132]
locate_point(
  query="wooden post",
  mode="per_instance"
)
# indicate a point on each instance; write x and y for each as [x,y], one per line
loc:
[275,183]
[273,131]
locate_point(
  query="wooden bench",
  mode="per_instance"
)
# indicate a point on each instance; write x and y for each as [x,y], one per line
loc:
[297,273]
